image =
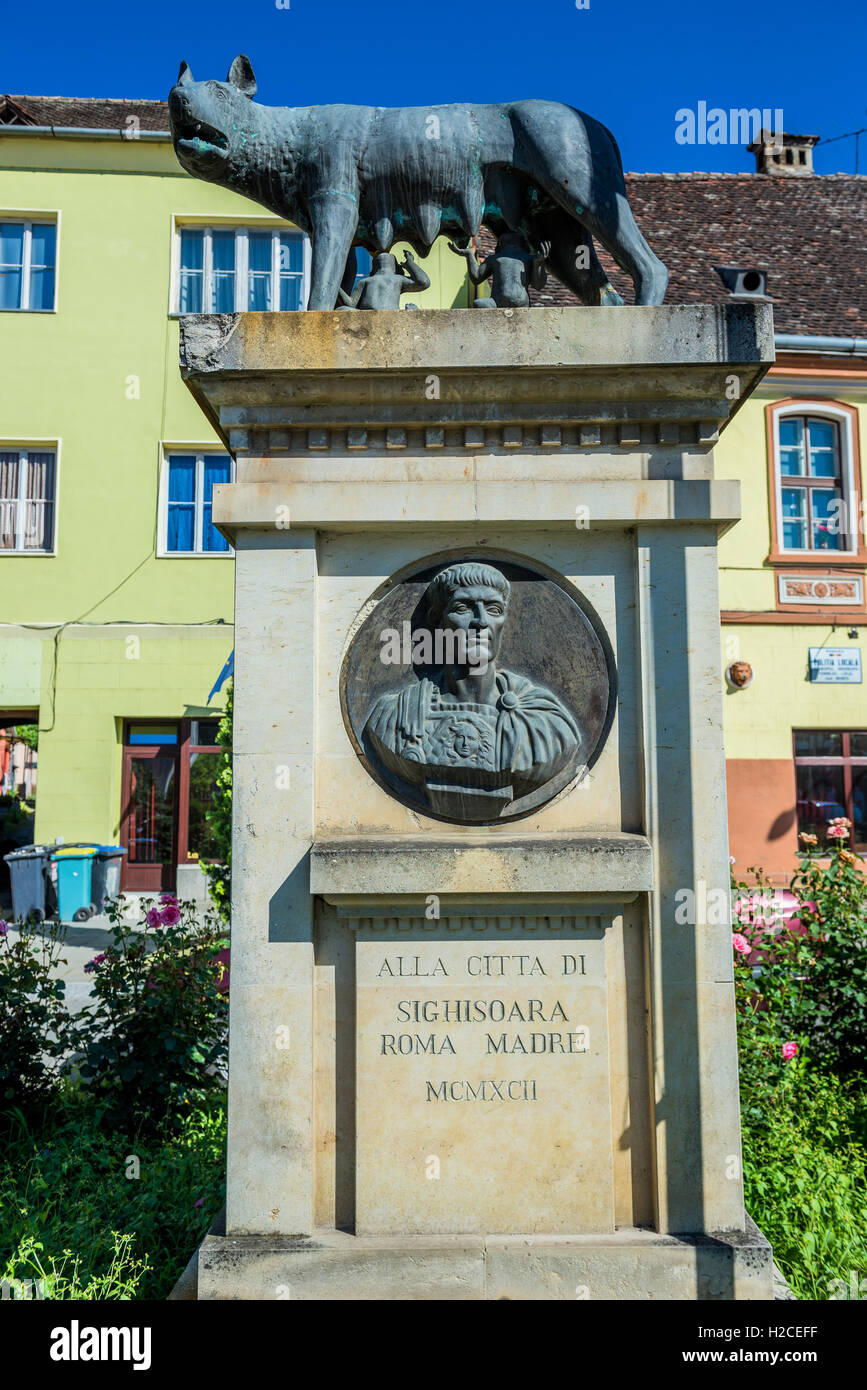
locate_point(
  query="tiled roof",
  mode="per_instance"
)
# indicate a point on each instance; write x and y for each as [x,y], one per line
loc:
[86,113]
[809,233]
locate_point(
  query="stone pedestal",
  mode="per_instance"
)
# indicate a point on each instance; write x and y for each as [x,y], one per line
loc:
[492,1058]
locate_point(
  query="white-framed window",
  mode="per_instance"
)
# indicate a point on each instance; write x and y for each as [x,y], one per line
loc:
[28,260]
[224,270]
[188,479]
[814,454]
[28,479]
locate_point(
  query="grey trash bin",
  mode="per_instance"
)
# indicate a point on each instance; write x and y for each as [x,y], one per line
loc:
[27,872]
[105,879]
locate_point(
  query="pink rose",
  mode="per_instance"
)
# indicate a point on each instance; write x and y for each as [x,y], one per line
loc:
[168,898]
[170,915]
[789,1050]
[732,859]
[837,832]
[740,943]
[153,917]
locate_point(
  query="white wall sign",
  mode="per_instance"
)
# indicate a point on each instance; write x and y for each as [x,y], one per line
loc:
[835,665]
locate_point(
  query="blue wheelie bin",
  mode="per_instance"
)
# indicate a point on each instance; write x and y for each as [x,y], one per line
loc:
[105,883]
[74,866]
[27,871]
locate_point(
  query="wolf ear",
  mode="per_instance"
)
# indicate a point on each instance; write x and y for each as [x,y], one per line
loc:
[185,77]
[241,75]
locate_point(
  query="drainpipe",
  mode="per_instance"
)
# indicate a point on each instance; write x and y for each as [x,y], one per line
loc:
[801,342]
[74,132]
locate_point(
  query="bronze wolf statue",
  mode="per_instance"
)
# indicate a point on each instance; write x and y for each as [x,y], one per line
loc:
[370,176]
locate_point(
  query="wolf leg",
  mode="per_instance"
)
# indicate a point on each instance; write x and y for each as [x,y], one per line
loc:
[576,161]
[573,258]
[347,284]
[615,228]
[622,240]
[334,221]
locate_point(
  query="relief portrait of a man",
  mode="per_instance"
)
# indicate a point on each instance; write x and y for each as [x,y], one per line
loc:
[472,736]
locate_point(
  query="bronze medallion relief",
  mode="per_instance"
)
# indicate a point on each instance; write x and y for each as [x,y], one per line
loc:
[478,688]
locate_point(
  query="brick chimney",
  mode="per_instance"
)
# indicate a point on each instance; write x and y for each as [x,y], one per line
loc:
[790,156]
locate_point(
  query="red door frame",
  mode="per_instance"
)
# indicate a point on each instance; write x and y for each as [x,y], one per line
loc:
[186,749]
[143,878]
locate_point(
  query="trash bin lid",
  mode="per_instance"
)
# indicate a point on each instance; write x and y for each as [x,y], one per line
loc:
[74,852]
[112,851]
[27,852]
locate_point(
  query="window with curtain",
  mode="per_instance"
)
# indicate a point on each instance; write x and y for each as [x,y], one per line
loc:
[27,484]
[811,483]
[190,482]
[225,270]
[27,265]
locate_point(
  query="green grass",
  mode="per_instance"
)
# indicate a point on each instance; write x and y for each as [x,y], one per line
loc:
[73,1213]
[805,1176]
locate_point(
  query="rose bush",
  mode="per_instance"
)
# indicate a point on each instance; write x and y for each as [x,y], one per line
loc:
[155,1037]
[799,967]
[804,978]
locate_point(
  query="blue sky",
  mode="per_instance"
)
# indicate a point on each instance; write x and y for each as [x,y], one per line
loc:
[633,65]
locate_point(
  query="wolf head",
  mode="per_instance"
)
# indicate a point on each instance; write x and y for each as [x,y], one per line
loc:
[207,119]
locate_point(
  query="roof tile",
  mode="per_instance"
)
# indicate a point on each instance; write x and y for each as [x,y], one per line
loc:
[809,234]
[94,113]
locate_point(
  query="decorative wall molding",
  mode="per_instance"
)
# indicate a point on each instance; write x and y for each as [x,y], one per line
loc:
[565,436]
[829,590]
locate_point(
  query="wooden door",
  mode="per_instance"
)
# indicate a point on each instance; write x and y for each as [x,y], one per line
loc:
[149,821]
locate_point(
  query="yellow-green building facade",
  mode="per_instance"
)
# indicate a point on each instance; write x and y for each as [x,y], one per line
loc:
[792,587]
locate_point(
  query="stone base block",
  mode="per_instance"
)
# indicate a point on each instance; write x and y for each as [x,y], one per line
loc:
[628,1265]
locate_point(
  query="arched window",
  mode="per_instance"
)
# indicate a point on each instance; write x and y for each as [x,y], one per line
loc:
[815,483]
[811,488]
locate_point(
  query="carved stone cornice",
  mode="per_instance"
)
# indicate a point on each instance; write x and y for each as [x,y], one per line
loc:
[534,379]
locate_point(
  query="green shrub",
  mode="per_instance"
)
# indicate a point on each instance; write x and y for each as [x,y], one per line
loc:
[833,908]
[98,1213]
[28,733]
[155,1038]
[805,1172]
[42,1275]
[219,818]
[807,986]
[800,993]
[34,1020]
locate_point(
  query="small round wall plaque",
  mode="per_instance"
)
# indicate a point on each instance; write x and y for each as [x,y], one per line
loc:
[478,688]
[739,674]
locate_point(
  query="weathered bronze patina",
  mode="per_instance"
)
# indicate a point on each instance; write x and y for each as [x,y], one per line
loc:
[448,725]
[370,176]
